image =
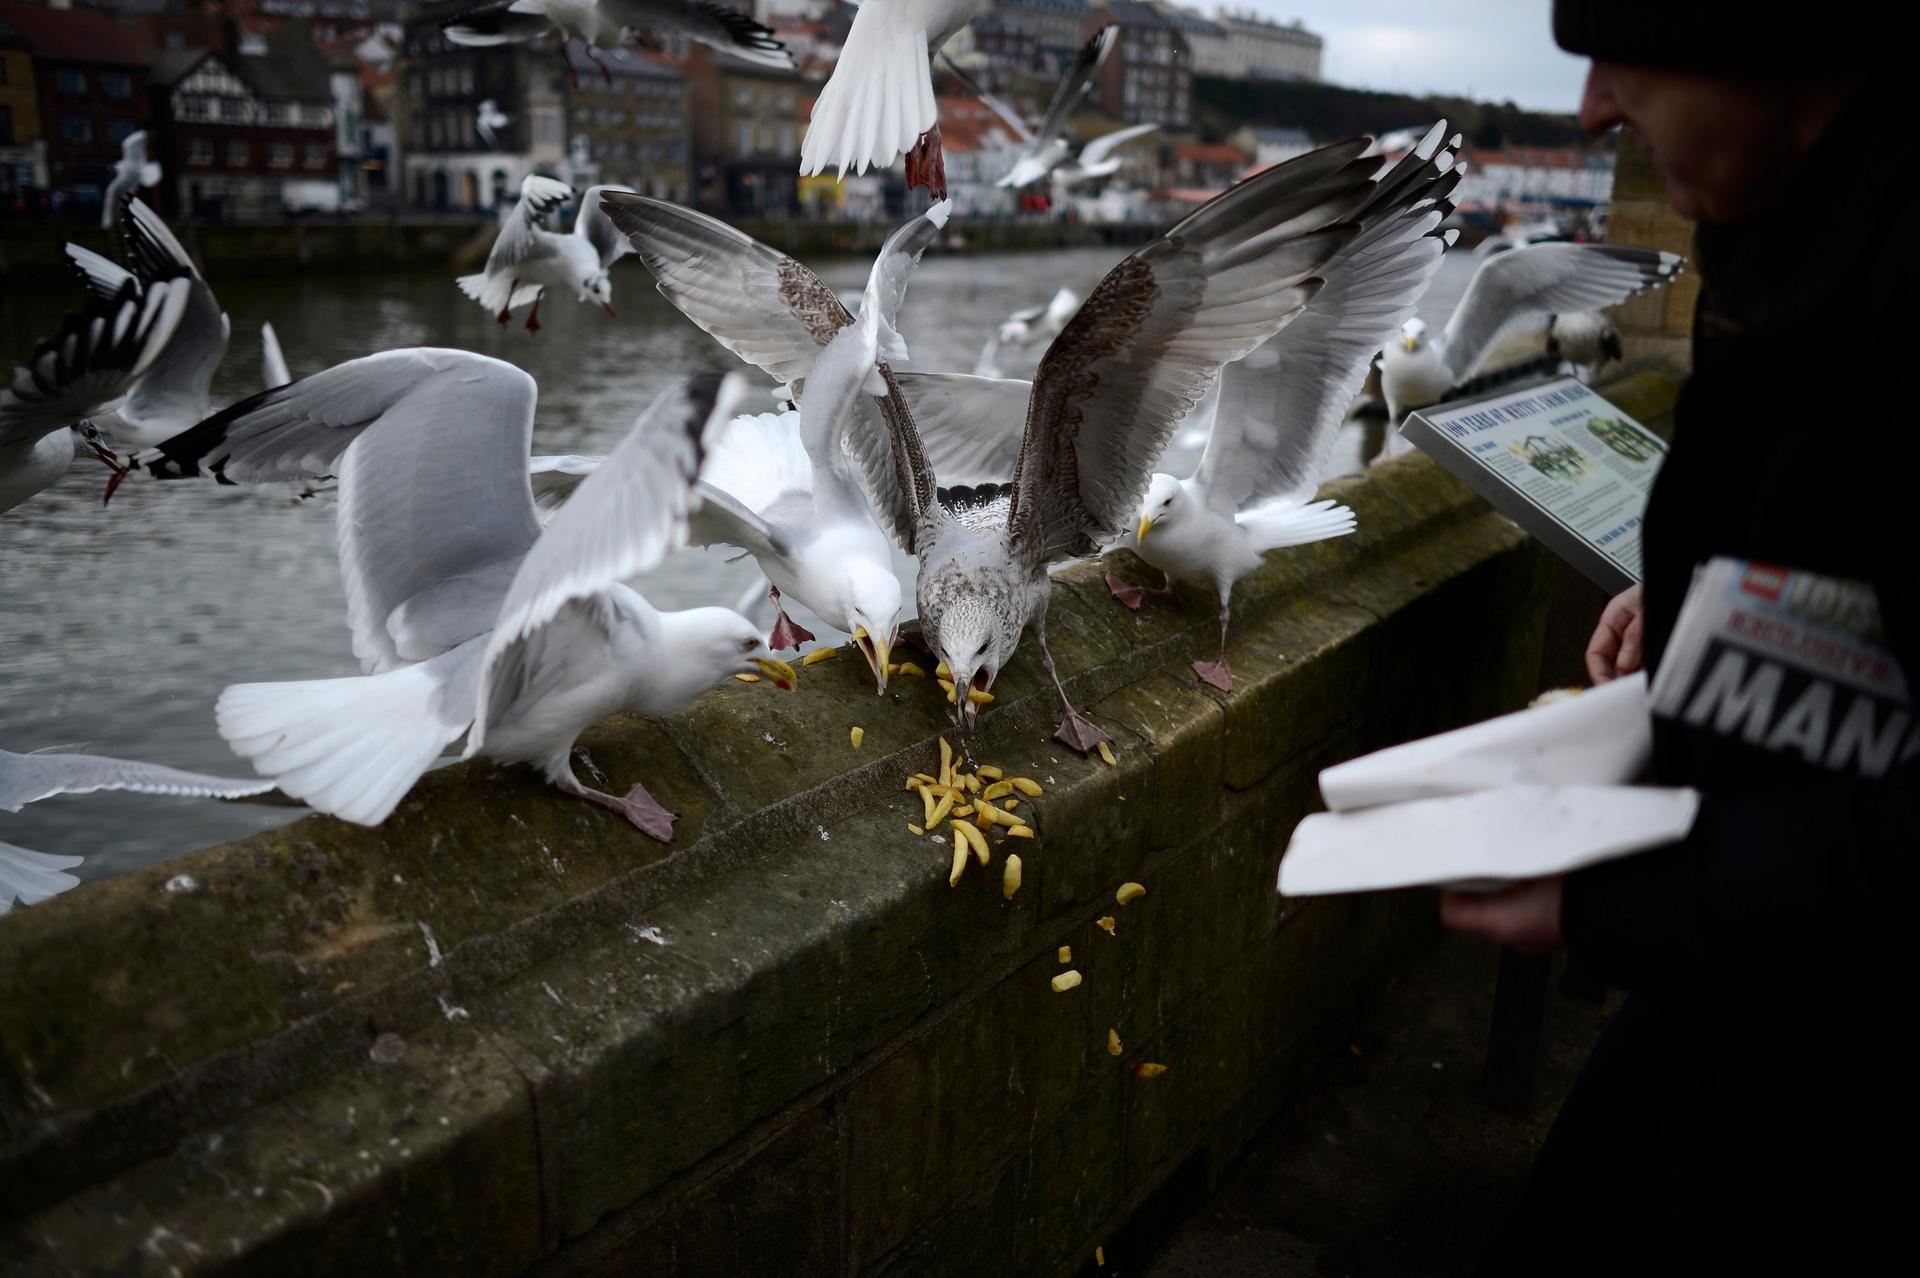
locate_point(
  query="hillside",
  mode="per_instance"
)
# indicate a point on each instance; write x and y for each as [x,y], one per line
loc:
[1328,111]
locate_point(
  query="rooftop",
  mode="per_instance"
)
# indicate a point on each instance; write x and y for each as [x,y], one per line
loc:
[71,35]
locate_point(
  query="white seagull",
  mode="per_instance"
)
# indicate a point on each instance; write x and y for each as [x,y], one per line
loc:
[1110,393]
[527,259]
[132,171]
[468,617]
[488,117]
[1045,150]
[176,391]
[1586,339]
[1038,324]
[87,365]
[785,490]
[1508,290]
[1279,410]
[879,101]
[610,24]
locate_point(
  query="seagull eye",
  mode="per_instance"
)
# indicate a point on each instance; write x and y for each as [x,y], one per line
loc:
[1165,504]
[748,645]
[982,650]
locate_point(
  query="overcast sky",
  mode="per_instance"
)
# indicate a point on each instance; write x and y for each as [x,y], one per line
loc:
[1494,50]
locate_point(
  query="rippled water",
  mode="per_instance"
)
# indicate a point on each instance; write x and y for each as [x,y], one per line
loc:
[119,627]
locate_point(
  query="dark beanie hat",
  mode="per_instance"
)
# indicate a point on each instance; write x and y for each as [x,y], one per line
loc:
[1709,37]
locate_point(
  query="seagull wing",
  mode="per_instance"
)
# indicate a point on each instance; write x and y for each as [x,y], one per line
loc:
[1540,279]
[521,239]
[25,778]
[493,24]
[97,353]
[1075,83]
[435,507]
[1009,116]
[31,877]
[1281,406]
[177,389]
[711,22]
[1107,143]
[273,362]
[757,465]
[1151,338]
[100,276]
[626,517]
[554,479]
[592,226]
[971,427]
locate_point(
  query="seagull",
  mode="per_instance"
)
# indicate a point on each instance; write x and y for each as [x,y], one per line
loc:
[1110,393]
[273,362]
[610,24]
[879,101]
[1039,323]
[31,877]
[177,390]
[780,486]
[132,171]
[1279,409]
[486,118]
[527,259]
[1585,339]
[1045,150]
[1506,291]
[97,354]
[467,617]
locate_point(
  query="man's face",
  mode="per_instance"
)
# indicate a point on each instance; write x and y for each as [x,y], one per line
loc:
[1724,146]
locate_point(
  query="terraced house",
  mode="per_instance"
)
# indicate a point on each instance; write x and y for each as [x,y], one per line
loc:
[244,137]
[89,81]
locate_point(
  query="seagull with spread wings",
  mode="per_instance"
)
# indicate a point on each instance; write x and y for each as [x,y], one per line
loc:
[610,24]
[132,171]
[780,485]
[1044,150]
[1509,290]
[97,354]
[527,259]
[468,617]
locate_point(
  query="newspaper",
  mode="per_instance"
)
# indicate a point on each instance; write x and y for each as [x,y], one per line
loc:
[1789,662]
[1560,461]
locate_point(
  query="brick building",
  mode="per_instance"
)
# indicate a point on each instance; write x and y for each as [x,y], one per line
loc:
[633,130]
[1148,79]
[23,150]
[90,82]
[241,137]
[747,120]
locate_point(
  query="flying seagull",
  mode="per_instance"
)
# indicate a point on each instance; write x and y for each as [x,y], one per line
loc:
[1038,324]
[1045,150]
[610,24]
[786,492]
[467,616]
[487,119]
[1507,291]
[132,171]
[1279,410]
[88,364]
[879,101]
[176,391]
[527,259]
[1586,339]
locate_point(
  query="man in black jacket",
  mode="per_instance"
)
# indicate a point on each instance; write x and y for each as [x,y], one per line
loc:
[1749,1108]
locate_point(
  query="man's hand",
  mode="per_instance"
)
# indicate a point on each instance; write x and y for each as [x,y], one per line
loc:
[1615,648]
[1525,917]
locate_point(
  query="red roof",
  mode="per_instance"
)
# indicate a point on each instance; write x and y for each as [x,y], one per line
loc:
[72,35]
[1210,153]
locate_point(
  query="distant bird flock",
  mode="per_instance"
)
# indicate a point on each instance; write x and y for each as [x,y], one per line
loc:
[485,586]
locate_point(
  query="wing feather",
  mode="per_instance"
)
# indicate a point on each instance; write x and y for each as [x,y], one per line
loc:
[26,778]
[1539,279]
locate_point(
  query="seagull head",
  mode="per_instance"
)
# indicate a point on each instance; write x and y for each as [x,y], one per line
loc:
[872,604]
[1413,334]
[1015,333]
[720,642]
[1166,499]
[971,638]
[599,287]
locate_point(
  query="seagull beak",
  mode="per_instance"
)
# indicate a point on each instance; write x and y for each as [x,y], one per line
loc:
[608,307]
[778,672]
[1408,342]
[878,653]
[1146,525]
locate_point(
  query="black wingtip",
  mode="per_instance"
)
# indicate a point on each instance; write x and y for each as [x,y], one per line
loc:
[962,497]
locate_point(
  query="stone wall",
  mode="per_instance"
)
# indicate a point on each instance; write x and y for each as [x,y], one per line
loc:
[504,1033]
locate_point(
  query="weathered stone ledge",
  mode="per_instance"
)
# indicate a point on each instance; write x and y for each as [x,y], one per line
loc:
[503,1030]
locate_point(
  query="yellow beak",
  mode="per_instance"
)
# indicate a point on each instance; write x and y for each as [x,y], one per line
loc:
[1146,522]
[878,653]
[1408,342]
[778,672]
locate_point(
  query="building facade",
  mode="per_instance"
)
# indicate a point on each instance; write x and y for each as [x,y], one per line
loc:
[89,79]
[746,126]
[1246,46]
[632,130]
[242,137]
[1148,78]
[23,150]
[1040,36]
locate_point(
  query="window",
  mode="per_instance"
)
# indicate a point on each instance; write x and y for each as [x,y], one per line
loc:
[200,152]
[70,82]
[117,86]
[742,97]
[239,154]
[118,130]
[316,155]
[76,128]
[281,156]
[743,138]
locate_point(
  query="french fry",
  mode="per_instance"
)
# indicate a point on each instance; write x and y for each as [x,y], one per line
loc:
[915,830]
[1106,754]
[999,790]
[1027,786]
[1147,1069]
[1020,832]
[1067,980]
[909,668]
[926,807]
[946,762]
[965,809]
[1113,1042]
[1010,876]
[1106,924]
[941,811]
[959,864]
[818,655]
[1100,1257]
[997,816]
[1066,953]
[941,671]
[971,837]
[748,678]
[858,734]
[989,772]
[978,697]
[1130,892]
[1008,805]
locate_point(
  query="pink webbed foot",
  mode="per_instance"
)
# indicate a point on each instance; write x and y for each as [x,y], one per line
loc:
[787,633]
[1133,596]
[1078,732]
[1217,674]
[927,164]
[639,808]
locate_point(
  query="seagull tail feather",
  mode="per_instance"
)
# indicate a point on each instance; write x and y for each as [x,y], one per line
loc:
[1283,523]
[879,99]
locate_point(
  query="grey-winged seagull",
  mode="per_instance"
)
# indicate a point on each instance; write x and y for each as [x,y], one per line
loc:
[607,25]
[132,171]
[527,259]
